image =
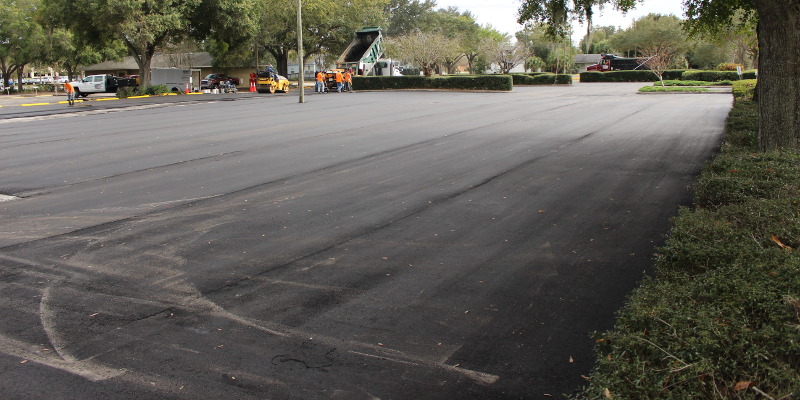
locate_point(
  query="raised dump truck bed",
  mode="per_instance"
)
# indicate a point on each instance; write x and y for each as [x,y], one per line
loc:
[363,52]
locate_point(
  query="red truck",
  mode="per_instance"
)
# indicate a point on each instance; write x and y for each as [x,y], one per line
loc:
[610,62]
[214,81]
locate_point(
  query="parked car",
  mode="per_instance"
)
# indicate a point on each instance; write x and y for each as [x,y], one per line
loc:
[214,81]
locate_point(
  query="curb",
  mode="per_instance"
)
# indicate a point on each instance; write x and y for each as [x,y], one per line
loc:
[85,100]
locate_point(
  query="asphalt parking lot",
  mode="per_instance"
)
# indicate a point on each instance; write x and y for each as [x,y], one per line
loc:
[392,245]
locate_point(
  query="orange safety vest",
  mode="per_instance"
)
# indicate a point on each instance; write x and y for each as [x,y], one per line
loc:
[339,77]
[320,77]
[68,88]
[348,78]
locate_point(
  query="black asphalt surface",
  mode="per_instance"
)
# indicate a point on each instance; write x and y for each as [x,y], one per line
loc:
[373,245]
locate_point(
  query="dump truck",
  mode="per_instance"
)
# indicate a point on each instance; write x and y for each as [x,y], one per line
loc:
[363,52]
[610,62]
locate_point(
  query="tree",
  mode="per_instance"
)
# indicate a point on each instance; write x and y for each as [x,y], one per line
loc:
[423,50]
[736,42]
[461,30]
[65,51]
[472,45]
[225,28]
[503,53]
[778,55]
[597,41]
[404,16]
[557,53]
[324,29]
[21,37]
[654,35]
[146,26]
[706,54]
[534,64]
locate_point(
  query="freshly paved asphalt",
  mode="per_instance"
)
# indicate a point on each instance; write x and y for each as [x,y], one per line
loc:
[403,245]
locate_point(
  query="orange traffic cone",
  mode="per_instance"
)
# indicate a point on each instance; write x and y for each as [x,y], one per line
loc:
[187,88]
[252,86]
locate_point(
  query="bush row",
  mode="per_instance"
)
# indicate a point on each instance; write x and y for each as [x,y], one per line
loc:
[618,76]
[714,76]
[720,319]
[128,91]
[473,82]
[675,74]
[541,78]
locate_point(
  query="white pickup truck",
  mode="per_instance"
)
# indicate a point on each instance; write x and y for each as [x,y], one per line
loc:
[101,84]
[175,79]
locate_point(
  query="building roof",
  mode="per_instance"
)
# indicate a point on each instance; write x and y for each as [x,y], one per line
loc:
[176,60]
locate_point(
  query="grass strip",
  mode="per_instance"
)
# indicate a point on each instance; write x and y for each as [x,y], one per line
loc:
[659,89]
[675,82]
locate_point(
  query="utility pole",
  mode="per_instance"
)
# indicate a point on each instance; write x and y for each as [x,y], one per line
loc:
[301,69]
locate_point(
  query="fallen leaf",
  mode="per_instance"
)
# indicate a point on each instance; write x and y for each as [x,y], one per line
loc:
[779,243]
[607,393]
[742,385]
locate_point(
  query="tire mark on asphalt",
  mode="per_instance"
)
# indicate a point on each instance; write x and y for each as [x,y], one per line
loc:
[333,167]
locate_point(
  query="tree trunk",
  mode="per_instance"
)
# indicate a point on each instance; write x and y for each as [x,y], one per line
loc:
[20,70]
[281,55]
[779,74]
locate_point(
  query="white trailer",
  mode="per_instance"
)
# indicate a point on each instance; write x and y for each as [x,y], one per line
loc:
[175,79]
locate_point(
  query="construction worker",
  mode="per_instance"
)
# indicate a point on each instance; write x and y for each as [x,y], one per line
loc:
[70,93]
[339,80]
[348,80]
[320,84]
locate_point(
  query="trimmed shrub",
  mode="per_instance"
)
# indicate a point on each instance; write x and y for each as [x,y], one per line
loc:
[410,72]
[674,74]
[157,89]
[125,92]
[618,76]
[541,78]
[128,91]
[710,76]
[728,66]
[744,89]
[452,82]
[750,74]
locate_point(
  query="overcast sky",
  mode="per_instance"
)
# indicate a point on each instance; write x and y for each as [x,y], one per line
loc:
[502,14]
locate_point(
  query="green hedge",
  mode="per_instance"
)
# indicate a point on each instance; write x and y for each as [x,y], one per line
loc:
[674,74]
[473,82]
[618,76]
[541,78]
[714,76]
[128,91]
[744,89]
